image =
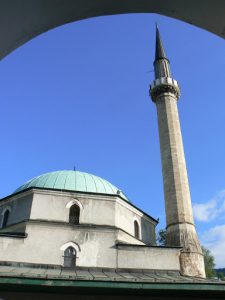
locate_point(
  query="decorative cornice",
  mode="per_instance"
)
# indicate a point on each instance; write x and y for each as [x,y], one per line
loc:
[164,85]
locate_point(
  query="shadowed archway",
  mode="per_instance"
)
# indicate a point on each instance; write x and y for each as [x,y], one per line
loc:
[22,20]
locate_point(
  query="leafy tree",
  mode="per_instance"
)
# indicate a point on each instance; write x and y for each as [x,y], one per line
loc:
[209,263]
[161,237]
[221,276]
[208,257]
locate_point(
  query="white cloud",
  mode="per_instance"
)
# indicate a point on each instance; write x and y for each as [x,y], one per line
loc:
[210,210]
[205,212]
[214,240]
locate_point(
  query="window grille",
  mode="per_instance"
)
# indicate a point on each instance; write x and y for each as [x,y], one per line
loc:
[74,217]
[69,257]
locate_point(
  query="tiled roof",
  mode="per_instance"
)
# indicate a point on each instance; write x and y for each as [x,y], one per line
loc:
[97,274]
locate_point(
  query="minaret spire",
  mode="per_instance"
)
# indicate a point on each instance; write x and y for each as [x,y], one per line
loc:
[161,63]
[180,227]
[159,49]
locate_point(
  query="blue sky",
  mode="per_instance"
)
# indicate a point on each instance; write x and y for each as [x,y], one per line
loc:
[78,95]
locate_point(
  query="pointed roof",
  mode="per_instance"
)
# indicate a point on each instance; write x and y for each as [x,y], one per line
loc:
[159,50]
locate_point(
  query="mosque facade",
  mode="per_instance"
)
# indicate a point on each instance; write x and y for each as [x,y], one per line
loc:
[77,234]
[88,222]
[71,218]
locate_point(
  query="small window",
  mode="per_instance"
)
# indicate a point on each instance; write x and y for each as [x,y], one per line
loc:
[70,257]
[74,217]
[136,230]
[5,218]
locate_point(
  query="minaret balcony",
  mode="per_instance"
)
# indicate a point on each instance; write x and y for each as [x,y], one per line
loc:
[164,85]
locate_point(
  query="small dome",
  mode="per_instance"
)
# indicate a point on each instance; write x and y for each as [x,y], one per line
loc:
[72,181]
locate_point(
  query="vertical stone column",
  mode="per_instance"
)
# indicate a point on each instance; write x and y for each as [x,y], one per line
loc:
[179,218]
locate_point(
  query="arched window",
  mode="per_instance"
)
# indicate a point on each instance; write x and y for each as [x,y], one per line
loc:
[5,218]
[74,216]
[70,257]
[136,230]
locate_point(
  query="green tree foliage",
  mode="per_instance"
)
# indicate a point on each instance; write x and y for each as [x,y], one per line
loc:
[209,263]
[220,273]
[161,237]
[221,276]
[208,257]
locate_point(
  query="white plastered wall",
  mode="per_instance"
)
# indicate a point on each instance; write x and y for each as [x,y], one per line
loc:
[54,206]
[19,207]
[125,216]
[155,258]
[95,248]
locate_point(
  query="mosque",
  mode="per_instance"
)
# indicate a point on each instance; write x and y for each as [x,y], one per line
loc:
[85,221]
[69,233]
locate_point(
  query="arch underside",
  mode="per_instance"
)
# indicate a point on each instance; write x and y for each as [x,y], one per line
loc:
[22,20]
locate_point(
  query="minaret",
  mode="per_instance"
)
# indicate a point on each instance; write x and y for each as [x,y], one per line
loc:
[180,228]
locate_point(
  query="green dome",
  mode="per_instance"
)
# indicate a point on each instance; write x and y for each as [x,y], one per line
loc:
[73,181]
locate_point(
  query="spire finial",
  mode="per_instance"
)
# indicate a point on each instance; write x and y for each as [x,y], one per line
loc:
[159,50]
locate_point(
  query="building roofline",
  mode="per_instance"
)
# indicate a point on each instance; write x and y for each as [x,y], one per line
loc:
[92,280]
[27,284]
[16,235]
[147,246]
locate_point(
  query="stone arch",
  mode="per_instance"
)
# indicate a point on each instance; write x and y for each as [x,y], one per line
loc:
[137,228]
[6,208]
[32,20]
[5,216]
[70,251]
[74,207]
[70,244]
[74,201]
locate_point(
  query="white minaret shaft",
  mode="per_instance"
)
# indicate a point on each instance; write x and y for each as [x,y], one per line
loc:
[179,218]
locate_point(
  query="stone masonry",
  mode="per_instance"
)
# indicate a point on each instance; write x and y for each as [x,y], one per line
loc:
[179,218]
